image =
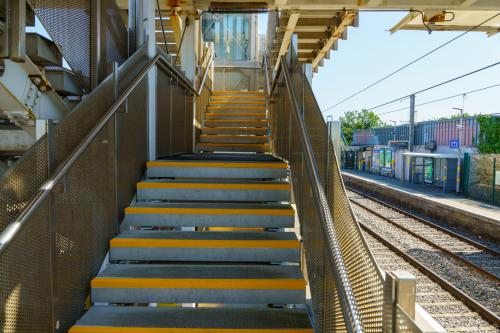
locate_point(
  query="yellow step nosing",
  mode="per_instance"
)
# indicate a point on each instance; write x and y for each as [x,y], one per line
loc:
[190,283]
[210,211]
[260,108]
[234,129]
[254,92]
[129,329]
[213,186]
[203,243]
[235,136]
[238,120]
[237,102]
[233,144]
[245,114]
[270,165]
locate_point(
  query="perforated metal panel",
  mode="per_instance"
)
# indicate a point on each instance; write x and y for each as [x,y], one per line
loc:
[69,24]
[25,294]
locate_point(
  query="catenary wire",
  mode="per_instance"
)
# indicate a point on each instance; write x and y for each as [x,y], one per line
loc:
[409,64]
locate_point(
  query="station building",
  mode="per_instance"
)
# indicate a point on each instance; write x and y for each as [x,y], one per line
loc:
[438,147]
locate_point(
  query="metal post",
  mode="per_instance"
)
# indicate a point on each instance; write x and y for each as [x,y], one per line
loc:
[117,142]
[17,32]
[52,221]
[411,135]
[494,178]
[95,43]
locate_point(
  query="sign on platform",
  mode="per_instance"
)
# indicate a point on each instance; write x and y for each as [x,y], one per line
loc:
[454,143]
[497,178]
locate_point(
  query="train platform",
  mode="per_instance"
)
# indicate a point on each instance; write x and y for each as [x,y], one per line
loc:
[450,208]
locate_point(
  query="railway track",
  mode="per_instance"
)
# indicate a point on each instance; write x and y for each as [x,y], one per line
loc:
[463,267]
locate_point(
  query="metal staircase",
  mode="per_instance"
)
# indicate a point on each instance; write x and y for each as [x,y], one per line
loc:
[235,121]
[171,249]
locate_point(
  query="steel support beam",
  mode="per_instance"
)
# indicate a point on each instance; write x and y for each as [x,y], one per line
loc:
[347,19]
[290,27]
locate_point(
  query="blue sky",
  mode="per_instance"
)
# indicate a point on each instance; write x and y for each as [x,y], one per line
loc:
[371,52]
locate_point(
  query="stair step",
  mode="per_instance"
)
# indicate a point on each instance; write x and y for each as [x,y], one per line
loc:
[220,190]
[236,123]
[232,107]
[216,169]
[244,284]
[234,138]
[209,215]
[237,147]
[236,246]
[234,130]
[236,93]
[233,116]
[143,319]
[236,102]
[255,98]
[236,109]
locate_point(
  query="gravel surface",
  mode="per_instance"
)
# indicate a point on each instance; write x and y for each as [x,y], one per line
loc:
[448,311]
[471,282]
[469,252]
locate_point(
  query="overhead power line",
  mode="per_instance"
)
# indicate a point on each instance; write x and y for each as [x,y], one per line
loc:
[443,99]
[437,85]
[409,64]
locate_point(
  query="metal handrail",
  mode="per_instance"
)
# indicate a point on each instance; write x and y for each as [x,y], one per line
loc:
[346,296]
[13,229]
[205,74]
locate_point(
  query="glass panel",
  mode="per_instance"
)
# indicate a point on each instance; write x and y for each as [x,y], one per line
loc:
[230,33]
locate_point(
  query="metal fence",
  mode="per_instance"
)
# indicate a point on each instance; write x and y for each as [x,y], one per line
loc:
[62,202]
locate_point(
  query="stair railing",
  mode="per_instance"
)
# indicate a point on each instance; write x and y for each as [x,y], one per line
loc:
[349,292]
[345,282]
[62,202]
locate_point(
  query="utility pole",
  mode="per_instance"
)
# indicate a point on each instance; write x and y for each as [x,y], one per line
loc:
[393,130]
[411,134]
[460,127]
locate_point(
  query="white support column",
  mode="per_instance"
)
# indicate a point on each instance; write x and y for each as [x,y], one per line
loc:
[189,47]
[145,33]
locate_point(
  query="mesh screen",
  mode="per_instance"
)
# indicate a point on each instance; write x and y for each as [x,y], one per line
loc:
[68,23]
[86,221]
[57,16]
[25,292]
[363,273]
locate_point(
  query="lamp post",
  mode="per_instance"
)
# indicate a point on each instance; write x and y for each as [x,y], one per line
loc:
[459,150]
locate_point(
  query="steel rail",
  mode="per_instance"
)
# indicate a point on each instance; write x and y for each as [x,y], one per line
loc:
[455,256]
[429,223]
[12,230]
[349,308]
[205,74]
[467,300]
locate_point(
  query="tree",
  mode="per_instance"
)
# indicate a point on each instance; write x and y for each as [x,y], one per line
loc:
[359,119]
[489,134]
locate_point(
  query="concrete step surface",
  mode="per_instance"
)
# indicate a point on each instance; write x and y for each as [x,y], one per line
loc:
[234,138]
[213,246]
[236,147]
[240,284]
[234,116]
[144,319]
[216,169]
[234,130]
[211,190]
[243,215]
[249,123]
